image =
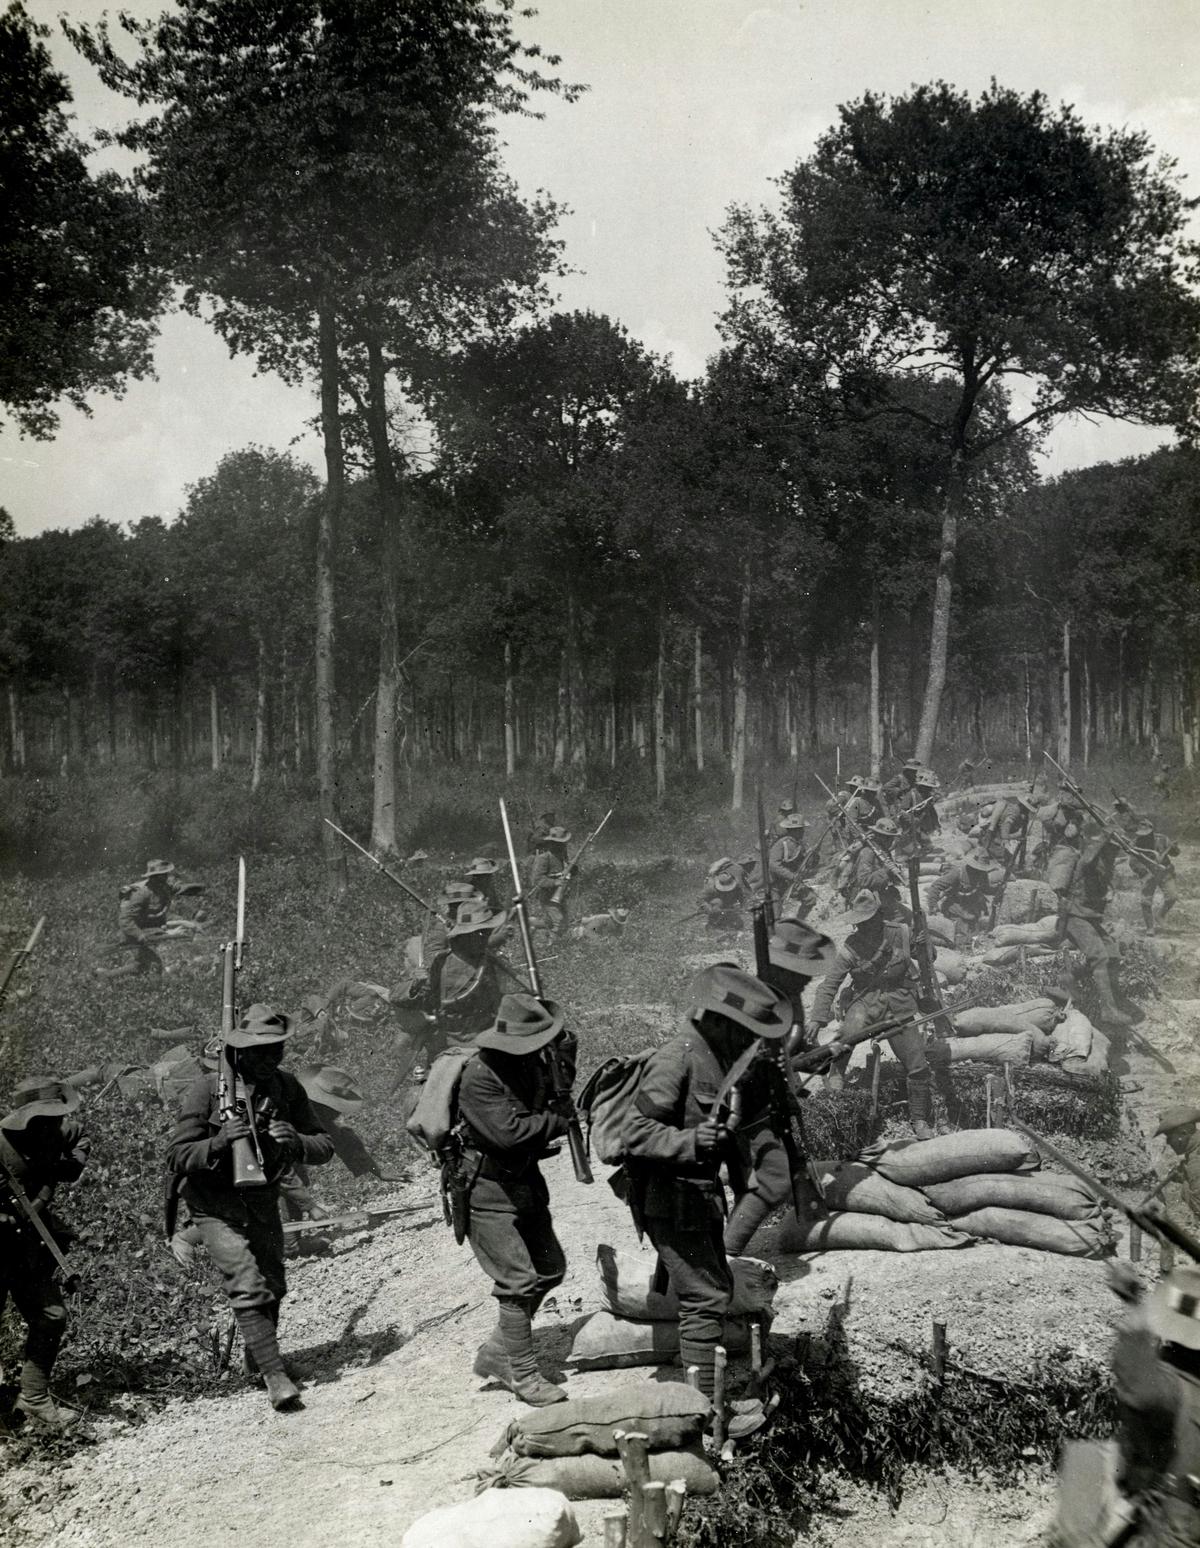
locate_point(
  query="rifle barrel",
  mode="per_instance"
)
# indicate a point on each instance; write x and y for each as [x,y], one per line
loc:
[379,866]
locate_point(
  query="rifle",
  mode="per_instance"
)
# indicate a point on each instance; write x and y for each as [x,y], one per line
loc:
[354,1220]
[786,1114]
[994,914]
[562,1087]
[697,913]
[1155,866]
[233,1096]
[764,861]
[32,1218]
[931,995]
[1148,1216]
[864,837]
[19,956]
[813,1061]
[572,865]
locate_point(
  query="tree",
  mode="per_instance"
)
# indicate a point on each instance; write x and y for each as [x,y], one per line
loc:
[970,243]
[311,171]
[78,293]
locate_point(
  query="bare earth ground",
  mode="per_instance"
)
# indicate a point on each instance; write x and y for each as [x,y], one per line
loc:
[395,1424]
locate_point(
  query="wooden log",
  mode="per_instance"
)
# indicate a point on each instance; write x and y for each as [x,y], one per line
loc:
[633,1449]
[938,1352]
[875,1058]
[720,1359]
[654,1513]
[756,1345]
[676,1498]
[693,1376]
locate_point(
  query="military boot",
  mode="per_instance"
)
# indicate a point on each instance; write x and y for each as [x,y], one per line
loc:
[1111,1014]
[1148,918]
[528,1383]
[920,1105]
[36,1403]
[491,1359]
[262,1351]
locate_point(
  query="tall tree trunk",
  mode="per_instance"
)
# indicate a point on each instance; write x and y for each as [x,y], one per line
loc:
[939,637]
[510,732]
[329,511]
[1187,726]
[214,729]
[562,721]
[612,718]
[698,697]
[16,727]
[660,709]
[814,706]
[1064,695]
[741,669]
[260,717]
[297,728]
[1085,709]
[876,727]
[577,746]
[387,693]
[1028,727]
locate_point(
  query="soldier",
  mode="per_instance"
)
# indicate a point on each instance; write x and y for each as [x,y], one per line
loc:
[1083,881]
[1062,821]
[868,866]
[796,956]
[1152,863]
[835,809]
[1006,830]
[509,1117]
[963,893]
[787,854]
[877,958]
[241,1227]
[436,936]
[483,876]
[549,877]
[1144,1490]
[725,897]
[41,1145]
[142,918]
[900,784]
[541,827]
[916,813]
[786,809]
[676,1138]
[1178,1125]
[865,805]
[1124,817]
[596,927]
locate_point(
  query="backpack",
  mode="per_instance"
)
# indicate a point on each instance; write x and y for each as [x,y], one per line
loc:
[606,1099]
[433,1120]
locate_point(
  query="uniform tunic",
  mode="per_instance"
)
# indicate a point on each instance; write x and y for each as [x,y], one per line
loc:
[141,918]
[862,869]
[26,1268]
[785,860]
[1156,872]
[545,875]
[680,1197]
[960,893]
[241,1227]
[1083,882]
[917,815]
[884,984]
[507,1125]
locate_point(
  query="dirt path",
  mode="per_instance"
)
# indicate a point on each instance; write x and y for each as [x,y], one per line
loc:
[394,1423]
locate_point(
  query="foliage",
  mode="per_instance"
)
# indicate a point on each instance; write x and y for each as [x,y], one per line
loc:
[79,291]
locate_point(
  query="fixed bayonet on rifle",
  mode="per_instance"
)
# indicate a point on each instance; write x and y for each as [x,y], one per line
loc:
[864,837]
[19,956]
[356,1220]
[379,866]
[1148,1217]
[764,861]
[562,1088]
[812,1061]
[572,866]
[233,1097]
[1157,869]
[32,1218]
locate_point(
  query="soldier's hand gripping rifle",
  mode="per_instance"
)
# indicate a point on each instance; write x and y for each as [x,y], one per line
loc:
[815,1061]
[234,1099]
[19,956]
[864,837]
[562,1085]
[29,1215]
[572,866]
[1148,1216]
[1010,867]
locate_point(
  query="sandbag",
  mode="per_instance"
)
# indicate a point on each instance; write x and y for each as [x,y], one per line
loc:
[524,1518]
[1005,956]
[670,1414]
[850,1231]
[1045,1193]
[597,1478]
[1004,1018]
[1041,933]
[605,1342]
[951,965]
[941,931]
[994,1047]
[854,1186]
[1072,1038]
[625,1291]
[916,1163]
[1089,1238]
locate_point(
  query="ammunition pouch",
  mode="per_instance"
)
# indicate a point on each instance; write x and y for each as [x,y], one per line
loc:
[457,1178]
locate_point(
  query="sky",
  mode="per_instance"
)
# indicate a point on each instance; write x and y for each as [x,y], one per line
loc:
[693,105]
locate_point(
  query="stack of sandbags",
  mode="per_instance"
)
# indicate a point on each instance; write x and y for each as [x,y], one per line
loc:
[1005,956]
[1077,1046]
[996,1047]
[537,1518]
[640,1325]
[1022,1016]
[571,1447]
[1042,932]
[918,1163]
[866,1212]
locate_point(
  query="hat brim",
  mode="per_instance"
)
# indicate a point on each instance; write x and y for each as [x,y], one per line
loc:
[860,915]
[20,1116]
[814,963]
[473,928]
[246,1039]
[522,1043]
[1183,1118]
[337,1104]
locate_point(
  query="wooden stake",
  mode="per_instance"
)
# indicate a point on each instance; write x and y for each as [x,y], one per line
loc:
[693,1376]
[654,1513]
[1135,1243]
[939,1353]
[989,1089]
[876,1059]
[756,1345]
[616,1527]
[676,1497]
[720,1359]
[633,1449]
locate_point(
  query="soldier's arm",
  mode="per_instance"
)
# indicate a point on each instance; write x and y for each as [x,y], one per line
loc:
[194,1146]
[316,1147]
[76,1147]
[652,1132]
[351,1151]
[127,918]
[501,1119]
[822,1011]
[941,887]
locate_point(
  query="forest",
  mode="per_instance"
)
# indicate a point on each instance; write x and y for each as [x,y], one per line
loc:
[534,545]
